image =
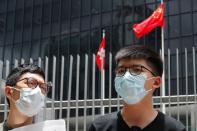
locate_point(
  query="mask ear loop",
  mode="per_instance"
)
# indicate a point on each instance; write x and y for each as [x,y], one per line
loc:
[16,88]
[151,88]
[14,101]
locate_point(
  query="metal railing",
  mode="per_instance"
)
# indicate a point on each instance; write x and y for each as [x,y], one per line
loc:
[76,94]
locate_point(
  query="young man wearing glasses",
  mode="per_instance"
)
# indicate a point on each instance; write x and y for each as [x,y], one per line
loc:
[138,75]
[25,90]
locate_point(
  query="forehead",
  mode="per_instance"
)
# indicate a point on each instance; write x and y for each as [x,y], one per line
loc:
[130,62]
[33,75]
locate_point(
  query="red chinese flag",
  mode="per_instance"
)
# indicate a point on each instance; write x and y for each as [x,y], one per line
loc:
[156,19]
[100,56]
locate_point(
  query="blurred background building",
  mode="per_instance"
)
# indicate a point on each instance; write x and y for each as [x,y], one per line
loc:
[40,28]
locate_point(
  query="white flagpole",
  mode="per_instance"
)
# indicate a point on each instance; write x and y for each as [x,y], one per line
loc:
[102,81]
[163,58]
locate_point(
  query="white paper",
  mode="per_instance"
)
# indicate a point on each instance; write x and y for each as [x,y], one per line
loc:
[49,125]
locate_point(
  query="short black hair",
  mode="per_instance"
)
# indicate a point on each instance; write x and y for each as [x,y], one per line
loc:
[17,72]
[152,58]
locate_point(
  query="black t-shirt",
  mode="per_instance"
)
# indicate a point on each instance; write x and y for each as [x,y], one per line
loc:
[115,122]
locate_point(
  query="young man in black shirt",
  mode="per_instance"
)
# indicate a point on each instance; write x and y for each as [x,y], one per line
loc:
[138,74]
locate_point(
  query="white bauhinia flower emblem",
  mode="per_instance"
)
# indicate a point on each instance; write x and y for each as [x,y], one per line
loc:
[101,53]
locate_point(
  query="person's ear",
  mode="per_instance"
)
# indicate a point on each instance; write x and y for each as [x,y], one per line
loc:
[8,91]
[157,82]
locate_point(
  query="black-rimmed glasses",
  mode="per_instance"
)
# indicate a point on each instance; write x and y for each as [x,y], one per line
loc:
[33,83]
[133,70]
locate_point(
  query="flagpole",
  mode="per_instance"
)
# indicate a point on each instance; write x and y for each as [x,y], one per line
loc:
[102,80]
[163,58]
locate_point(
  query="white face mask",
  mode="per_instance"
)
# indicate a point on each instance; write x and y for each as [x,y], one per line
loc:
[31,101]
[131,88]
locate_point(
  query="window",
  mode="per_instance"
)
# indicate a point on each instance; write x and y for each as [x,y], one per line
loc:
[85,7]
[173,7]
[185,5]
[174,26]
[186,25]
[96,6]
[75,10]
[106,5]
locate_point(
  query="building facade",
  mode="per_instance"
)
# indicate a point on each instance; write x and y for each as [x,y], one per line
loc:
[40,28]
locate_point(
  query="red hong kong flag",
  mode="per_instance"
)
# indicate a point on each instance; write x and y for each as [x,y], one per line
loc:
[100,56]
[156,19]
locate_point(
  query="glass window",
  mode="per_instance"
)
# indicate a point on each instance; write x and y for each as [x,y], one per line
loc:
[46,13]
[194,22]
[173,45]
[38,2]
[46,30]
[150,1]
[65,27]
[28,3]
[18,19]
[187,42]
[139,12]
[116,17]
[174,26]
[95,21]
[194,4]
[36,32]
[1,52]
[10,21]
[127,14]
[117,4]
[185,5]
[27,34]
[64,46]
[65,14]
[85,42]
[75,25]
[2,26]
[17,36]
[75,8]
[9,38]
[28,17]
[37,15]
[55,11]
[117,38]
[56,29]
[128,37]
[173,89]
[190,62]
[85,23]
[19,4]
[75,44]
[166,30]
[85,7]
[35,49]
[26,50]
[195,42]
[106,19]
[106,5]
[8,53]
[17,51]
[173,7]
[1,38]
[95,40]
[127,2]
[2,6]
[96,5]
[139,2]
[11,5]
[44,45]
[186,25]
